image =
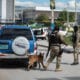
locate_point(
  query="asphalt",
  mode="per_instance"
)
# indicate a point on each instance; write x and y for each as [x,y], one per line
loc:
[69,72]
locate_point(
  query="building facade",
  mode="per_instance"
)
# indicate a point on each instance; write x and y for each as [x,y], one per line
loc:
[34,12]
[78,19]
[7,11]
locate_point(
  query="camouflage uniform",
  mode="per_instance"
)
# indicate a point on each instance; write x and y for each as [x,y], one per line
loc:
[56,51]
[76,44]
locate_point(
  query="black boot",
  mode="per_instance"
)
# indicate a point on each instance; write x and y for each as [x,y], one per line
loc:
[75,63]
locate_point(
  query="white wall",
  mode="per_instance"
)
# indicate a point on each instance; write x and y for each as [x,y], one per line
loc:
[0,8]
[10,9]
[3,11]
[7,11]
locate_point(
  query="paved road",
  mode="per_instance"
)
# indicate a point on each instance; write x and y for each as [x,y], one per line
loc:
[19,73]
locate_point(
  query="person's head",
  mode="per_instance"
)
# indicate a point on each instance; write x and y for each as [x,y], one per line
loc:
[56,28]
[75,28]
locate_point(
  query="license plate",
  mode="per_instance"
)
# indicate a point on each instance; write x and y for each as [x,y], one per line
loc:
[3,46]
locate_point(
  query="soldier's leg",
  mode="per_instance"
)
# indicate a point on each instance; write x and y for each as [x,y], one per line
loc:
[52,56]
[58,61]
[76,56]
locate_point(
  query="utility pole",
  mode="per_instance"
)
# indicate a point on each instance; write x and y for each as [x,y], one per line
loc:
[52,14]
[52,7]
[22,16]
[75,12]
[67,14]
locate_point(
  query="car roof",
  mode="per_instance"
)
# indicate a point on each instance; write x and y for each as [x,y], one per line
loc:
[16,27]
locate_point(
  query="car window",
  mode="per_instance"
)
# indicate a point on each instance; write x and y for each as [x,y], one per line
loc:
[38,32]
[13,33]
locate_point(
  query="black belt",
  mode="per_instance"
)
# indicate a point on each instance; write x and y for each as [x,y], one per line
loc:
[55,44]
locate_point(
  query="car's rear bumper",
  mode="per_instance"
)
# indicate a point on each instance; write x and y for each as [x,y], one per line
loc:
[13,62]
[12,56]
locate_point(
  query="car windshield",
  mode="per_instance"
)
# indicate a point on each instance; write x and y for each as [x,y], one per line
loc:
[38,32]
[13,33]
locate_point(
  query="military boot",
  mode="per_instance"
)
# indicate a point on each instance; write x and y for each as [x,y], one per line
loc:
[58,62]
[76,59]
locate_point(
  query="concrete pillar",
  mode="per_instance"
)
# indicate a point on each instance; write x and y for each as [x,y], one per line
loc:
[7,10]
[3,11]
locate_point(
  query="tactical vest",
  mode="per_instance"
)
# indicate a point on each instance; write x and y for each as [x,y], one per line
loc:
[54,38]
[74,37]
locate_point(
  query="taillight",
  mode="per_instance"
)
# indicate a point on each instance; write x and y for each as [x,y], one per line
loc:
[43,32]
[35,47]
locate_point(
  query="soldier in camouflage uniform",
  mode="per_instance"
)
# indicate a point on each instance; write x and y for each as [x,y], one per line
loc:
[55,48]
[76,44]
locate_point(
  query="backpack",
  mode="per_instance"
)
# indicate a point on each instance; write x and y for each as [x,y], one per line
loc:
[54,38]
[74,37]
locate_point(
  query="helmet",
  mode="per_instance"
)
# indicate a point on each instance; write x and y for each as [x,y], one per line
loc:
[75,28]
[56,28]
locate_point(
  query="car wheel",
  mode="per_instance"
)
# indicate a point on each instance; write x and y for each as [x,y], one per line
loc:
[20,45]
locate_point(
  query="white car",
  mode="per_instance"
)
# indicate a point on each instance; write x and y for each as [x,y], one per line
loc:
[40,33]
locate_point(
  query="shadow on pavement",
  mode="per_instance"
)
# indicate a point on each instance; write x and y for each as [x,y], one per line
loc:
[43,69]
[72,78]
[48,79]
[12,64]
[65,78]
[62,63]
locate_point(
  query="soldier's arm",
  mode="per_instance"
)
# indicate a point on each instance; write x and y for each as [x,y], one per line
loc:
[62,40]
[49,45]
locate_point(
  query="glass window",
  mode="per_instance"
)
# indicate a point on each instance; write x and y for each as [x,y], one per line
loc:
[13,33]
[38,32]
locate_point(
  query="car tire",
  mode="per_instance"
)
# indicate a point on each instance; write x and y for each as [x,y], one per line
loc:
[20,45]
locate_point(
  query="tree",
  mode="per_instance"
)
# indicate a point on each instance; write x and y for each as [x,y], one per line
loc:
[31,21]
[42,18]
[63,16]
[71,17]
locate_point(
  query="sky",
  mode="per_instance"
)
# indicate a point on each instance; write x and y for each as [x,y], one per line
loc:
[60,4]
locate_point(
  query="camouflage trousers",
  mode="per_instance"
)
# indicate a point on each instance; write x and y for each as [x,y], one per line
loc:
[76,54]
[55,52]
